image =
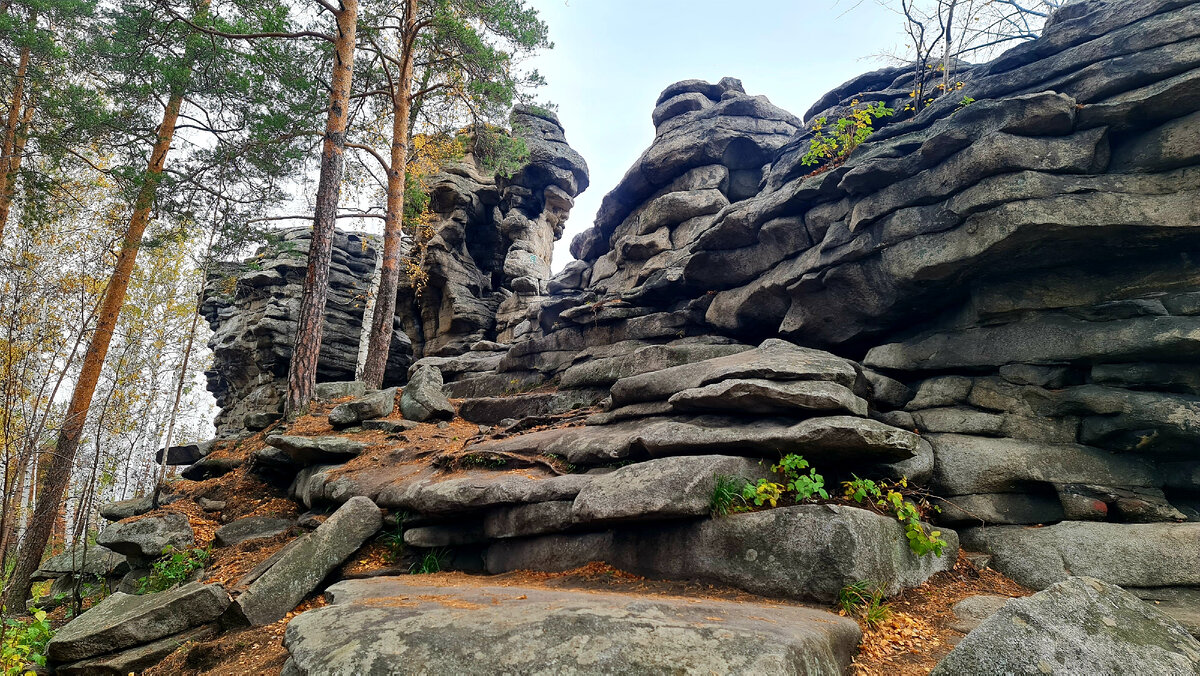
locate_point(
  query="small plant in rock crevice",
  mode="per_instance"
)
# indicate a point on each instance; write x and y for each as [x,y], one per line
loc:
[800,485]
[432,561]
[832,143]
[861,599]
[393,540]
[727,495]
[173,568]
[889,498]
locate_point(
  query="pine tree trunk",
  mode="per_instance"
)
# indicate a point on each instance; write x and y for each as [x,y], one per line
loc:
[302,372]
[15,128]
[389,280]
[62,461]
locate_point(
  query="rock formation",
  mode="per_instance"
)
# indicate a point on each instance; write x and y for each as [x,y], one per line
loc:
[997,297]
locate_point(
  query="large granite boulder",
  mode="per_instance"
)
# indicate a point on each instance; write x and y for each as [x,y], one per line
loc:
[146,537]
[399,625]
[1078,626]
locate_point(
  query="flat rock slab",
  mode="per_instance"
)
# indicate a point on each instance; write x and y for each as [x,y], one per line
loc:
[1078,626]
[125,620]
[774,359]
[97,561]
[123,509]
[766,397]
[250,528]
[1127,554]
[317,450]
[479,490]
[307,561]
[664,488]
[148,536]
[136,659]
[396,625]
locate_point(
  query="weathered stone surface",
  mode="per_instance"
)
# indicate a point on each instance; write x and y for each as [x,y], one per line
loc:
[124,509]
[390,426]
[970,612]
[1130,555]
[479,490]
[250,528]
[137,659]
[769,397]
[806,552]
[313,450]
[374,405]
[528,630]
[147,537]
[773,360]
[444,536]
[345,388]
[1080,625]
[491,410]
[184,454]
[123,620]
[312,556]
[209,467]
[96,561]
[664,488]
[604,371]
[423,399]
[532,519]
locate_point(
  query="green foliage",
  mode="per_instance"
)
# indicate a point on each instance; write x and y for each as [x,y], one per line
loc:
[24,643]
[496,150]
[762,493]
[805,486]
[393,540]
[832,144]
[727,495]
[862,600]
[173,568]
[432,561]
[889,498]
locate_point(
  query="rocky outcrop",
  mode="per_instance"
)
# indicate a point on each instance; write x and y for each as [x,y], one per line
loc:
[488,257]
[1009,273]
[253,307]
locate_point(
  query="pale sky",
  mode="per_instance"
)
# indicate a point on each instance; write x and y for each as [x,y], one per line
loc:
[613,57]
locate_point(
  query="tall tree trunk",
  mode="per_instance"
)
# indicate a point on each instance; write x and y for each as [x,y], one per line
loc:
[61,462]
[14,139]
[383,318]
[302,372]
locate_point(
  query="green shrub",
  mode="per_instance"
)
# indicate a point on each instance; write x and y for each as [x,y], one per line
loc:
[832,144]
[393,540]
[173,568]
[887,498]
[862,600]
[24,643]
[805,486]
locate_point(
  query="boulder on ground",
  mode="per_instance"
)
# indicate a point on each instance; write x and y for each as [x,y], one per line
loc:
[1078,626]
[460,630]
[377,404]
[973,610]
[423,399]
[307,561]
[344,388]
[147,537]
[250,528]
[136,659]
[125,620]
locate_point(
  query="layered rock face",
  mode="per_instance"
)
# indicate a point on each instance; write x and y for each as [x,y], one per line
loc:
[253,307]
[488,261]
[1011,273]
[489,257]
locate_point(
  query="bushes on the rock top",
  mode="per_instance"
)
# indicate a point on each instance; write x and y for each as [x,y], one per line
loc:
[833,143]
[173,568]
[736,494]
